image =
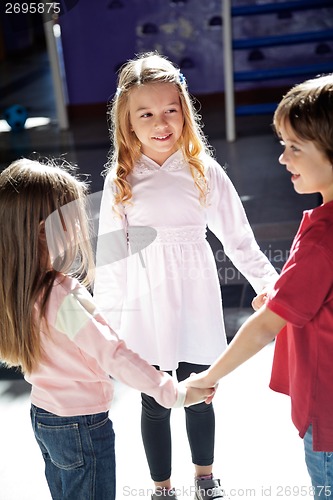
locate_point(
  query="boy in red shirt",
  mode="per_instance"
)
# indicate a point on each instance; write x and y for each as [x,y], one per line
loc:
[299,310]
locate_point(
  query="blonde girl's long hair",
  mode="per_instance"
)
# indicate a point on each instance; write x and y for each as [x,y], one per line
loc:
[145,69]
[30,192]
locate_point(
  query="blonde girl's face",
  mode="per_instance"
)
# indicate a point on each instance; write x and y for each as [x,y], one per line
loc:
[311,170]
[156,118]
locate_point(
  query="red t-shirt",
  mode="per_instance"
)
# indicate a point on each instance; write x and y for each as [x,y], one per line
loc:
[303,357]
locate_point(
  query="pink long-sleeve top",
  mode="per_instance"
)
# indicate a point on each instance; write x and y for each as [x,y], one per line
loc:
[81,351]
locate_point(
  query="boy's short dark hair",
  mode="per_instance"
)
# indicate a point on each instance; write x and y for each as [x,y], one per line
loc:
[308,107]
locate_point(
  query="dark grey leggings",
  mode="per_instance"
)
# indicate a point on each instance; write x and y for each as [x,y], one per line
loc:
[156,434]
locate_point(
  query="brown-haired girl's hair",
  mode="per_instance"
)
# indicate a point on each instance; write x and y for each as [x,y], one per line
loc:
[151,68]
[29,193]
[308,107]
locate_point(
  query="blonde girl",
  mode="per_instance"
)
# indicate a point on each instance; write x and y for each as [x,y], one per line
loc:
[50,327]
[165,298]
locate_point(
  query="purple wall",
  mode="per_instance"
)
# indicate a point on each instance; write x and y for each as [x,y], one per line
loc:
[100,35]
[95,40]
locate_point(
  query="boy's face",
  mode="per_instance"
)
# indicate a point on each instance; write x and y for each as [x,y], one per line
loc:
[312,171]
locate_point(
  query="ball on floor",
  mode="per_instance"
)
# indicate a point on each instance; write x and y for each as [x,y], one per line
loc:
[16,116]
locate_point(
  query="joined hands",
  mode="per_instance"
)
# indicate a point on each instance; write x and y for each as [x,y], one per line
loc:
[198,394]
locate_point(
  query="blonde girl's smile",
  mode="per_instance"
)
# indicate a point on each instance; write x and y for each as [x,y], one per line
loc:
[163,138]
[156,118]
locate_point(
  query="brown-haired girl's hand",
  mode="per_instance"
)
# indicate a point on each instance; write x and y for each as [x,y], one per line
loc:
[201,381]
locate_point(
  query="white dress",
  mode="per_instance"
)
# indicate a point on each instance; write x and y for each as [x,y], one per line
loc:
[164,299]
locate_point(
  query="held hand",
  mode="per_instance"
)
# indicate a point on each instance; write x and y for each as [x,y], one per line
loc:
[259,300]
[262,297]
[196,395]
[199,380]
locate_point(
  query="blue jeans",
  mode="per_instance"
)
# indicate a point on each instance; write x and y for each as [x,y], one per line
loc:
[78,453]
[320,468]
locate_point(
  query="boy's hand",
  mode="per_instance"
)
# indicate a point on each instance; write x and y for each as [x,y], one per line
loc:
[196,395]
[199,380]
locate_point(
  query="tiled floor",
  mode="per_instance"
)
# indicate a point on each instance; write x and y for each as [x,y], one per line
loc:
[258,452]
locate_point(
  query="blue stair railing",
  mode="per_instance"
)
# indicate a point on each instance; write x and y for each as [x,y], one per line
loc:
[230,45]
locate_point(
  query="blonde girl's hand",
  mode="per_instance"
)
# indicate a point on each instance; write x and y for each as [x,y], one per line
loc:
[259,300]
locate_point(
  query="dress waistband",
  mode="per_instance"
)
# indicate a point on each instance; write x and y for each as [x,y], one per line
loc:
[144,236]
